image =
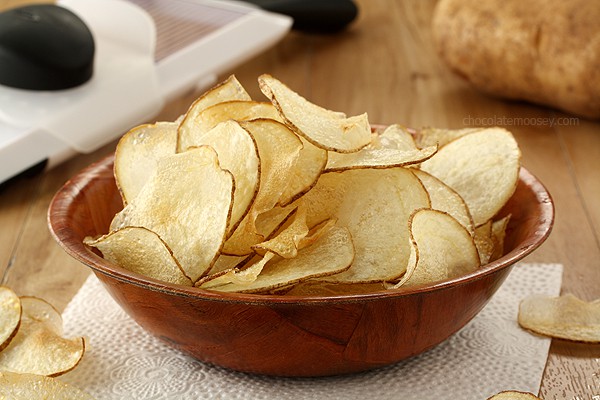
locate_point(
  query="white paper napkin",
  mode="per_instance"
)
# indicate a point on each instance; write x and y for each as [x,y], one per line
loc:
[492,353]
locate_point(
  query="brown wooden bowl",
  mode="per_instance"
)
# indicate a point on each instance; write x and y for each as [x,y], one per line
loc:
[293,335]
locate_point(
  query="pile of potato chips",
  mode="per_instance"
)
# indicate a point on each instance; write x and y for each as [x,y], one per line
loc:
[285,196]
[33,350]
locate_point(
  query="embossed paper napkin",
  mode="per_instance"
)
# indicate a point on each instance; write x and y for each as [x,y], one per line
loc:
[487,356]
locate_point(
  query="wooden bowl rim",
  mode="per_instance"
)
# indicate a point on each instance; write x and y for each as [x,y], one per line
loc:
[64,197]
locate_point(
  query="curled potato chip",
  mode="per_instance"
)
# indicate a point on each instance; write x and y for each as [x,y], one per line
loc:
[331,254]
[513,395]
[287,242]
[38,347]
[378,158]
[432,136]
[137,153]
[375,205]
[444,198]
[236,110]
[238,153]
[394,136]
[484,241]
[31,386]
[228,90]
[498,235]
[565,317]
[187,203]
[141,251]
[445,248]
[10,315]
[483,168]
[278,149]
[237,275]
[324,128]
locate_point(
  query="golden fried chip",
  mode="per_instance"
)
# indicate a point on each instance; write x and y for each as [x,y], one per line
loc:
[278,149]
[444,198]
[394,137]
[378,158]
[137,153]
[238,154]
[38,347]
[244,275]
[324,128]
[432,136]
[141,251]
[207,119]
[484,241]
[331,254]
[375,205]
[483,168]
[228,90]
[498,234]
[16,386]
[309,166]
[565,317]
[445,248]
[10,315]
[187,203]
[287,242]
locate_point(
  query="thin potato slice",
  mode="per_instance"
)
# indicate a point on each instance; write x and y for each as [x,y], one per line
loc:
[378,158]
[498,235]
[137,153]
[207,119]
[239,276]
[324,128]
[513,395]
[278,149]
[444,198]
[331,254]
[484,241]
[394,137]
[38,347]
[432,136]
[31,386]
[225,263]
[287,242]
[228,90]
[375,205]
[238,154]
[565,317]
[187,202]
[311,163]
[141,251]
[445,248]
[10,315]
[483,168]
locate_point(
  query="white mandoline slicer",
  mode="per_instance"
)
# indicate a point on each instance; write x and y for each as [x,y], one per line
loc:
[147,51]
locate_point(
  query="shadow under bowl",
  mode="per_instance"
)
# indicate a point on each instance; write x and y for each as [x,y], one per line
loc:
[293,335]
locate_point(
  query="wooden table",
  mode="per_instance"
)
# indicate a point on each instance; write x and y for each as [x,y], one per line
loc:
[385,64]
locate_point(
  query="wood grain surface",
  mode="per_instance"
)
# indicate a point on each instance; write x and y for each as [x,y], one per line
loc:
[384,64]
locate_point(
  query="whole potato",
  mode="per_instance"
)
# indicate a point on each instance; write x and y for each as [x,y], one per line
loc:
[543,51]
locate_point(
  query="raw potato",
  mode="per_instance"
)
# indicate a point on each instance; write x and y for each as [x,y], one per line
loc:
[511,49]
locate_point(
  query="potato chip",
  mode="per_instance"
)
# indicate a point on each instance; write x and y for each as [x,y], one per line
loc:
[278,149]
[513,395]
[141,251]
[565,317]
[378,158]
[15,386]
[225,263]
[441,137]
[331,254]
[309,166]
[238,154]
[228,90]
[484,241]
[445,248]
[38,347]
[207,119]
[444,198]
[324,128]
[137,153]
[375,206]
[394,137]
[498,234]
[10,315]
[244,275]
[287,242]
[187,203]
[483,168]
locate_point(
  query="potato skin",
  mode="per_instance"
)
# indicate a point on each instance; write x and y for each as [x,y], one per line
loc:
[543,51]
